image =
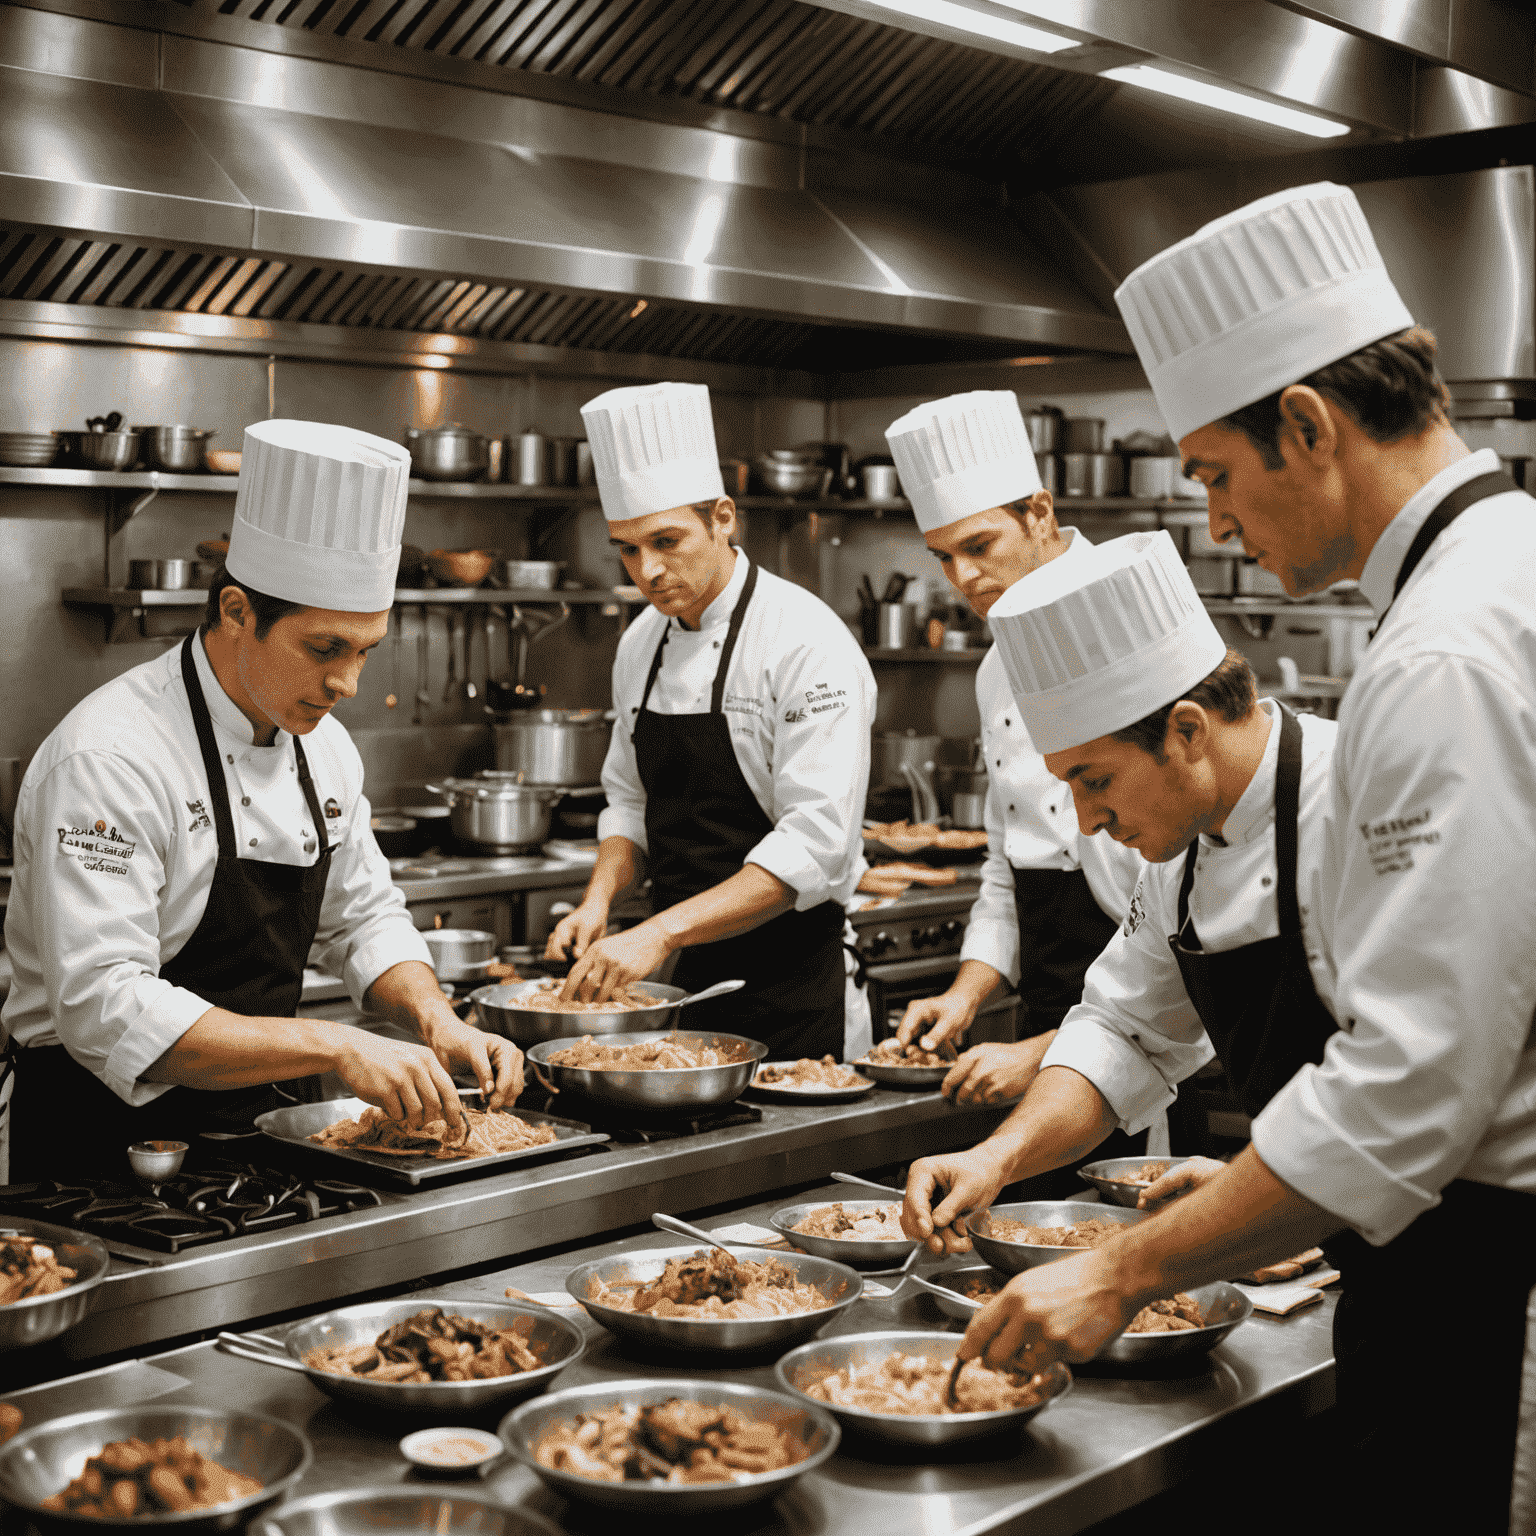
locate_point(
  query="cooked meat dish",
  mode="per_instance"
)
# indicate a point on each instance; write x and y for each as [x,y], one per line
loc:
[434,1346]
[1081,1234]
[482,1135]
[713,1284]
[979,1288]
[805,1073]
[672,1442]
[1284,1269]
[908,836]
[11,1420]
[893,879]
[129,1478]
[1177,1314]
[548,1000]
[919,1384]
[29,1268]
[667,1054]
[891,1054]
[883,1223]
[1150,1173]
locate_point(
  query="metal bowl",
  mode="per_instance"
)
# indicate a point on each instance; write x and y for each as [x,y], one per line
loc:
[885,1250]
[460,954]
[100,450]
[527,575]
[44,1460]
[816,1428]
[530,1026]
[660,1089]
[180,449]
[1223,1305]
[798,477]
[369,1511]
[723,1336]
[28,450]
[1103,1176]
[904,1077]
[557,1339]
[1017,1257]
[944,1287]
[803,1367]
[37,1319]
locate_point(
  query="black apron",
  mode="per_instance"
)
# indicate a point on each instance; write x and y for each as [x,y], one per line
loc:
[701,821]
[247,955]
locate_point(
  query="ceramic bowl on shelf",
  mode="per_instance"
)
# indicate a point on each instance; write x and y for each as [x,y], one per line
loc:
[460,567]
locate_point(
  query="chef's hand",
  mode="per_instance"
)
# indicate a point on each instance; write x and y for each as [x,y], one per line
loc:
[577,932]
[1062,1311]
[408,1082]
[615,962]
[942,1191]
[941,1018]
[496,1063]
[991,1073]
[1178,1181]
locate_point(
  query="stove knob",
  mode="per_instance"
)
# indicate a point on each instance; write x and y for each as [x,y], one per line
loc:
[953,928]
[881,943]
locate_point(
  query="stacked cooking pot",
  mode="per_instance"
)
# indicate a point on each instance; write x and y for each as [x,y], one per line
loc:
[452,452]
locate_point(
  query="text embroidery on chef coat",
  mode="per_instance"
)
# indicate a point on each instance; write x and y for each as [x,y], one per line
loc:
[739,703]
[1137,914]
[819,698]
[1389,844]
[100,849]
[200,817]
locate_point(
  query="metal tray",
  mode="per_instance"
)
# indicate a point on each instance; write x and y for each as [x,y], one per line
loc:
[295,1125]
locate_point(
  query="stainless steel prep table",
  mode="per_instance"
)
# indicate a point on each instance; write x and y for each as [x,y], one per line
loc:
[1112,1442]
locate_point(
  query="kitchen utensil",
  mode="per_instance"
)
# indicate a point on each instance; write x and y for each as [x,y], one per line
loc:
[449,452]
[528,1026]
[497,815]
[42,1461]
[968,810]
[555,746]
[925,801]
[153,1161]
[1017,1257]
[1254,581]
[554,1339]
[896,584]
[906,1077]
[947,1287]
[664,1090]
[1212,578]
[402,1508]
[1043,424]
[474,623]
[423,698]
[1049,467]
[1082,434]
[953,1382]
[662,1501]
[108,423]
[881,1189]
[28,450]
[893,748]
[161,575]
[36,1319]
[803,1367]
[532,467]
[451,685]
[392,698]
[879,482]
[586,473]
[854,1250]
[181,450]
[896,625]
[1103,1175]
[1092,474]
[1153,479]
[450,1451]
[797,477]
[460,567]
[530,575]
[396,836]
[736,476]
[495,460]
[223,461]
[460,954]
[100,450]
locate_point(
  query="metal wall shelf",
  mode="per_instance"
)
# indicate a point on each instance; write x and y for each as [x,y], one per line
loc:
[163,480]
[1276,607]
[923,653]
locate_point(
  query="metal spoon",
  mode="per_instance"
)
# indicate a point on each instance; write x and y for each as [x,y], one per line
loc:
[452,685]
[423,697]
[393,696]
[885,1189]
[233,1344]
[681,1228]
[719,989]
[954,1377]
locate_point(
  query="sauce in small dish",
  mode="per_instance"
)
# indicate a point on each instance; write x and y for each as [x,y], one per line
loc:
[450,1451]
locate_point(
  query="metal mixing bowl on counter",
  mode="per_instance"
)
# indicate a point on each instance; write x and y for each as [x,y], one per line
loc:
[810,1423]
[529,1026]
[871,1250]
[804,1367]
[43,1460]
[36,1319]
[460,954]
[714,1336]
[1017,1257]
[1107,1174]
[657,1090]
[373,1511]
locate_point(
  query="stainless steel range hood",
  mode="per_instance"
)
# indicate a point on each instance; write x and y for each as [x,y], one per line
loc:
[287,166]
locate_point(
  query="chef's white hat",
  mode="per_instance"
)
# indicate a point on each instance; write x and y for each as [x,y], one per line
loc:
[318,515]
[1093,645]
[1257,300]
[960,455]
[653,448]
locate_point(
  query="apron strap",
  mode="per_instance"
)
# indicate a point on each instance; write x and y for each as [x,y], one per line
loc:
[218,792]
[311,799]
[738,613]
[1185,886]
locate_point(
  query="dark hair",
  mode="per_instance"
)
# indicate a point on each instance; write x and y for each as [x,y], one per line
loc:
[1390,389]
[1021,508]
[706,510]
[1230,691]
[268,610]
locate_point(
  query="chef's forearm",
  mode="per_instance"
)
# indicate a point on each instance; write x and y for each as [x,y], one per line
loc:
[974,983]
[747,899]
[613,873]
[407,994]
[231,1050]
[1062,1118]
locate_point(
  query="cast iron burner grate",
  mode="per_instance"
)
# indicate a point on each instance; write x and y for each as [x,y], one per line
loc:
[625,1128]
[207,1205]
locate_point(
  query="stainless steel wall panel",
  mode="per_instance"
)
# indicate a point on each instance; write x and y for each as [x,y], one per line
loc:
[73,47]
[1449,101]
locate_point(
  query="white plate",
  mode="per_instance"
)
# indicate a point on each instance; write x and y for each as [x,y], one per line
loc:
[417,1449]
[790,1091]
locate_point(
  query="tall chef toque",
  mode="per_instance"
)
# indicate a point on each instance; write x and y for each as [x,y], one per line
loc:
[1256,301]
[653,448]
[961,455]
[1091,646]
[319,515]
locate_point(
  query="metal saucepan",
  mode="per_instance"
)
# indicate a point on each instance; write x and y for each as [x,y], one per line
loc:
[449,452]
[182,450]
[1017,1257]
[162,575]
[404,1508]
[497,814]
[529,575]
[36,1319]
[556,747]
[100,450]
[661,1090]
[1107,1174]
[530,1026]
[871,1250]
[460,954]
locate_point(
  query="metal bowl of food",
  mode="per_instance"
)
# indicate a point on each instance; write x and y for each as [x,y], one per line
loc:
[659,1090]
[845,1250]
[1016,1257]
[501,1015]
[948,1288]
[802,1368]
[903,1077]
[42,1461]
[554,1339]
[811,1426]
[1108,1176]
[36,1319]
[713,1336]
[369,1511]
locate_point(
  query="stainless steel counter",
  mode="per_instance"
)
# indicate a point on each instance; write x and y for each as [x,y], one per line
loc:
[1114,1441]
[549,874]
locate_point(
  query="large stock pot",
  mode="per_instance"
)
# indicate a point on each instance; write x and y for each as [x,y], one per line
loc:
[555,747]
[498,814]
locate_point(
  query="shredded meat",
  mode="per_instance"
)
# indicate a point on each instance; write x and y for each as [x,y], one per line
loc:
[889,1053]
[1177,1314]
[882,1223]
[149,1477]
[919,1384]
[713,1284]
[908,836]
[670,1053]
[979,1288]
[674,1442]
[893,879]
[11,1420]
[1081,1234]
[482,1135]
[1150,1173]
[434,1346]
[805,1073]
[548,1000]
[1285,1269]
[29,1268]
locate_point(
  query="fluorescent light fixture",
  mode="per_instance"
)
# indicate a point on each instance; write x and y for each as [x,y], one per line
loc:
[982,23]
[1184,88]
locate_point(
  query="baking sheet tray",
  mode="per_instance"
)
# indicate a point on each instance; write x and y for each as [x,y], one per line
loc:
[294,1126]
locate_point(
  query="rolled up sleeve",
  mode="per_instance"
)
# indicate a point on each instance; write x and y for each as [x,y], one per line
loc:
[1433,929]
[992,931]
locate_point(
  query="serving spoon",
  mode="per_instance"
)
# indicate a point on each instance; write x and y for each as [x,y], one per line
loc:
[853,1178]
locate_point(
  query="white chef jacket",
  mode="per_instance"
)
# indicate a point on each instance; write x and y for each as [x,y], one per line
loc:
[1429,923]
[800,701]
[1136,1034]
[1031,821]
[115,853]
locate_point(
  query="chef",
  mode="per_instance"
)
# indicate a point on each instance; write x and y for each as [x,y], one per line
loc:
[740,753]
[1050,898]
[1301,394]
[192,829]
[1153,726]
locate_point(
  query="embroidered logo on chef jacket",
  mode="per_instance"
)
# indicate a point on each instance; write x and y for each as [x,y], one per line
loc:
[741,704]
[332,810]
[100,849]
[793,716]
[1138,912]
[1389,844]
[200,817]
[819,698]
